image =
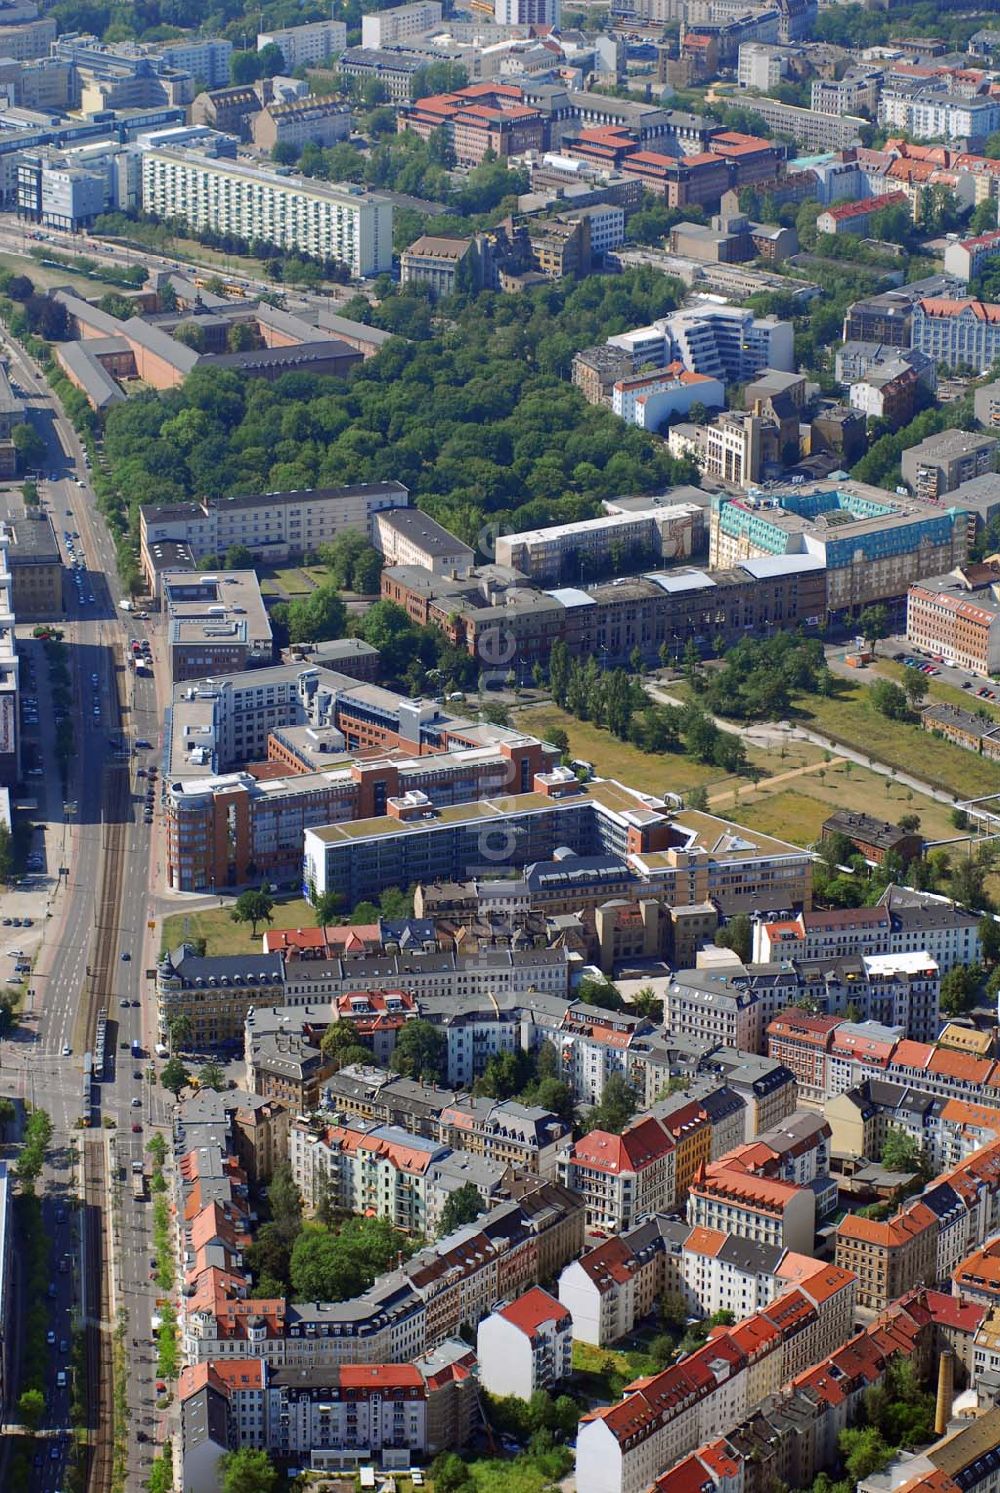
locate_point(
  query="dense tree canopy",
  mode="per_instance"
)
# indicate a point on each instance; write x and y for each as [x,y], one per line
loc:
[482,425]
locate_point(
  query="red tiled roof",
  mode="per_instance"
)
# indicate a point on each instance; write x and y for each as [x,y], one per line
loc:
[530,1310]
[944,306]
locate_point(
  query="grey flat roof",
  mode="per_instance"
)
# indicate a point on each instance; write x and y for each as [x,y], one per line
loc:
[425,531]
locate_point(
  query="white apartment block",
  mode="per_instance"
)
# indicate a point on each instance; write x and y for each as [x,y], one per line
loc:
[724,342]
[761,67]
[574,551]
[647,399]
[302,46]
[525,1346]
[939,116]
[326,220]
[854,92]
[271,525]
[391,28]
[206,59]
[709,1006]
[526,12]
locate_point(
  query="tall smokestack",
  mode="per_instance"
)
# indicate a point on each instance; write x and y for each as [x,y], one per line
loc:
[945,1391]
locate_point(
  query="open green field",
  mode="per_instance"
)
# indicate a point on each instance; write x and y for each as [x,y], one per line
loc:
[667,773]
[848,716]
[45,276]
[223,936]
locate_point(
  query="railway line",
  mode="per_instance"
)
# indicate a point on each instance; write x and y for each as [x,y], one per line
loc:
[92,1015]
[98,1328]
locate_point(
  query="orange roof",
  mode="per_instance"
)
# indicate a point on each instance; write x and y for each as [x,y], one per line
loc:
[827,1282]
[639,1146]
[381,1375]
[945,306]
[705,1241]
[915,1055]
[532,1309]
[961,1065]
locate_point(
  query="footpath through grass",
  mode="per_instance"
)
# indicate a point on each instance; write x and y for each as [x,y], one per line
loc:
[848,716]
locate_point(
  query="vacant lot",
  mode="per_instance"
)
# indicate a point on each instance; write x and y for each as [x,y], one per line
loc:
[668,772]
[223,936]
[796,812]
[849,716]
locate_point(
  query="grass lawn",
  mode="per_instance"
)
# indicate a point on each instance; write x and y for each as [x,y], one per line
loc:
[291,581]
[45,276]
[223,936]
[666,773]
[796,812]
[595,1369]
[848,716]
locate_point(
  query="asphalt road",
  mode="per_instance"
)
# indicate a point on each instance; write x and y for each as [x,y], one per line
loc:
[38,1067]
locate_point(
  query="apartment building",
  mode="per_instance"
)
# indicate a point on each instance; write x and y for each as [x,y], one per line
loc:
[526,1345]
[306,46]
[524,1136]
[753,1206]
[965,258]
[389,28]
[441,261]
[564,552]
[321,121]
[856,217]
[903,922]
[344,223]
[622,1178]
[888,1258]
[927,114]
[943,462]
[728,343]
[957,616]
[855,93]
[614,1285]
[871,541]
[624,1448]
[216,623]
[714,1007]
[369,1169]
[407,536]
[961,333]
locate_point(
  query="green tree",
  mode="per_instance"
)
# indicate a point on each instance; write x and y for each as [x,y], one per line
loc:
[179,1030]
[959,988]
[915,686]
[7,1113]
[616,1108]
[317,617]
[889,700]
[421,1051]
[737,934]
[326,906]
[237,557]
[285,1202]
[6,854]
[212,1076]
[462,1206]
[901,1152]
[31,1408]
[342,1044]
[174,1076]
[696,798]
[989,938]
[248,1471]
[29,446]
[157,1148]
[253,907]
[863,1450]
[450,1473]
